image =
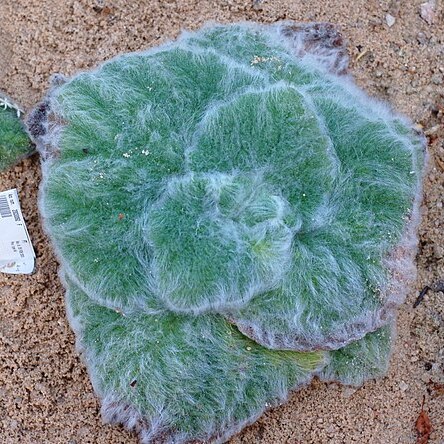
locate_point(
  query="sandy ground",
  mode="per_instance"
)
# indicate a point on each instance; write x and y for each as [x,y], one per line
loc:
[45,394]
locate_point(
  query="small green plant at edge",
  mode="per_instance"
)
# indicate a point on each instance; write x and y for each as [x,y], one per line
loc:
[14,141]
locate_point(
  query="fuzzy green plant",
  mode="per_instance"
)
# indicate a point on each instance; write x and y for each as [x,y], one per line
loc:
[14,141]
[232,217]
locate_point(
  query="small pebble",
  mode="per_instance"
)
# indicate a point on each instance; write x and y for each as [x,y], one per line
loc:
[390,20]
[427,11]
[422,38]
[403,386]
[425,378]
[437,79]
[348,392]
[438,251]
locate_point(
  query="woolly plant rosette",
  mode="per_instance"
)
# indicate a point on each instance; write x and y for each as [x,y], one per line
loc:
[14,141]
[232,216]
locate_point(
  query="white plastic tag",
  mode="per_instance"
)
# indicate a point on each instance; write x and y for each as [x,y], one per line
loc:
[16,253]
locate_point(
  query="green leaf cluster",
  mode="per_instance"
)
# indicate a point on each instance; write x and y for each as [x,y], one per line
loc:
[231,220]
